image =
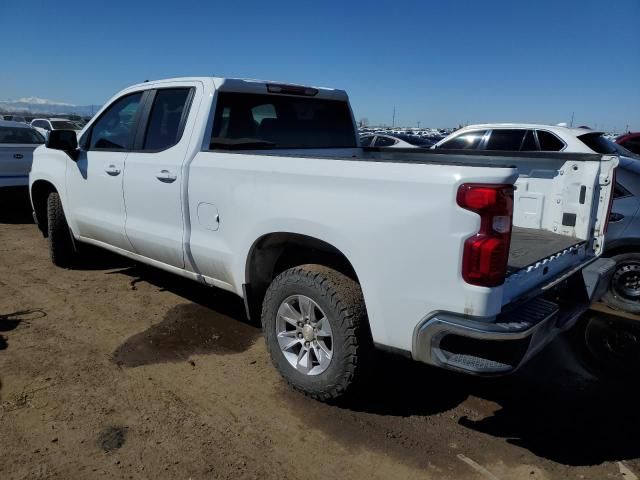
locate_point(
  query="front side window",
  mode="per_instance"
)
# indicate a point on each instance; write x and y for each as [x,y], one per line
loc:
[114,130]
[464,141]
[505,140]
[20,135]
[549,142]
[163,129]
[250,121]
[385,142]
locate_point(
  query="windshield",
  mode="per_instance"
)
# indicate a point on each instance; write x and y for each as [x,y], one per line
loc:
[20,135]
[597,143]
[63,125]
[255,121]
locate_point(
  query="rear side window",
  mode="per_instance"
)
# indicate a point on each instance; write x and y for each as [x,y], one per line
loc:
[465,141]
[505,140]
[632,145]
[384,142]
[549,142]
[366,141]
[619,191]
[597,143]
[41,124]
[20,135]
[529,143]
[256,121]
[114,130]
[165,121]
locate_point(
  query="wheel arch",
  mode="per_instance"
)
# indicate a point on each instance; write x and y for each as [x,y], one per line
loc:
[631,245]
[39,192]
[275,252]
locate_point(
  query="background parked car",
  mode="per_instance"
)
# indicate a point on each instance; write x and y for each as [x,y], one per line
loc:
[527,137]
[384,141]
[17,142]
[630,141]
[623,236]
[608,344]
[45,125]
[14,118]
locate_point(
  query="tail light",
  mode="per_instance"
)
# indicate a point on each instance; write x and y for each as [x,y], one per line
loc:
[484,261]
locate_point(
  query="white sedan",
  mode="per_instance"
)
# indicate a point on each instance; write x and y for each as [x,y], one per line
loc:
[379,140]
[17,143]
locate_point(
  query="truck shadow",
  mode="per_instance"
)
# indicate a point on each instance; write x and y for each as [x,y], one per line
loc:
[552,407]
[15,206]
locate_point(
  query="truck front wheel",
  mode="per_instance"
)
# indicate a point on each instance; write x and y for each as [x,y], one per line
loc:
[316,330]
[61,248]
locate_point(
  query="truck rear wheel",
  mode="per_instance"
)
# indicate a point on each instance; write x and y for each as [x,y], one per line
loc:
[61,248]
[316,330]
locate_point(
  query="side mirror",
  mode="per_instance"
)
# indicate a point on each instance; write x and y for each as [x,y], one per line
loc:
[65,140]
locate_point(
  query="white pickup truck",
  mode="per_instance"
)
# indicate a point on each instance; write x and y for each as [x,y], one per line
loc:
[470,262]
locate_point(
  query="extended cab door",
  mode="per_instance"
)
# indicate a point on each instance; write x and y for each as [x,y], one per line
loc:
[94,181]
[153,176]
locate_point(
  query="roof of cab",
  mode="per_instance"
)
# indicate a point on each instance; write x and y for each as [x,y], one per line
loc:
[246,85]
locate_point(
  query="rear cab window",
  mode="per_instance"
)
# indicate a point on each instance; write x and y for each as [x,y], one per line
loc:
[262,121]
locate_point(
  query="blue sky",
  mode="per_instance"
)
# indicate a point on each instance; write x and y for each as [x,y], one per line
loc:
[441,63]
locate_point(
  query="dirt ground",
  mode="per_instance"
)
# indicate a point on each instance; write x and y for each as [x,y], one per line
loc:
[118,371]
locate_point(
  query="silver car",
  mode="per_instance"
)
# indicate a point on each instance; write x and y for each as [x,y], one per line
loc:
[17,143]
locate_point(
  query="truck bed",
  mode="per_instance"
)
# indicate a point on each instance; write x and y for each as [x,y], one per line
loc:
[529,245]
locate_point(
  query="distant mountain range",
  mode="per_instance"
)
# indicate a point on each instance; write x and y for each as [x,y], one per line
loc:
[29,105]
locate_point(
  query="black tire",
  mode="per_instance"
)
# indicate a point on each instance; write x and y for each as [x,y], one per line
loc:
[340,298]
[624,289]
[61,247]
[607,346]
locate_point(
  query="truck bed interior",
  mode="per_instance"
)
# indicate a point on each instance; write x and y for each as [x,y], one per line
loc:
[530,245]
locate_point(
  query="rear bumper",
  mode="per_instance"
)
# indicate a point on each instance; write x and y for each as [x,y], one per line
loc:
[502,345]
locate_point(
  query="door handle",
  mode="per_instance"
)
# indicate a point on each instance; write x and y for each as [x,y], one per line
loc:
[615,217]
[166,176]
[112,170]
[18,156]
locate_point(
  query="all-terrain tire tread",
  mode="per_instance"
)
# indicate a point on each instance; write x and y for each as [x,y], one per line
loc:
[61,248]
[345,296]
